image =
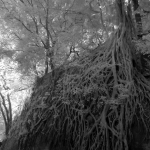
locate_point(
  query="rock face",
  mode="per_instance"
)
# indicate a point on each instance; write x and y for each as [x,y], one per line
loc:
[10,144]
[138,135]
[0,144]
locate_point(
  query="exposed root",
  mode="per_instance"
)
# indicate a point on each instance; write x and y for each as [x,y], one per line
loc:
[93,105]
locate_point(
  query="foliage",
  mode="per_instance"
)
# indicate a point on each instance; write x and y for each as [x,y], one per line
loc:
[37,25]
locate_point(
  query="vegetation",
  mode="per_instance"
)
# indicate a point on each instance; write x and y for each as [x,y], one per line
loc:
[9,87]
[94,92]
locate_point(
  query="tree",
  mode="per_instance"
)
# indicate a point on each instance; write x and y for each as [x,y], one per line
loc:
[37,23]
[9,86]
[2,127]
[6,110]
[49,30]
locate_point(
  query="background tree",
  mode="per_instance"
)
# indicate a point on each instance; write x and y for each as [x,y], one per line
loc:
[2,127]
[6,108]
[9,89]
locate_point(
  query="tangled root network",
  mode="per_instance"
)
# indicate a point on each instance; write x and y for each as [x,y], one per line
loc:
[92,104]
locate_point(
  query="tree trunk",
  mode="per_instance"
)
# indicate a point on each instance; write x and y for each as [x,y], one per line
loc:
[138,19]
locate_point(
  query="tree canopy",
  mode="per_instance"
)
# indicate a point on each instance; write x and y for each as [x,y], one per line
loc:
[51,28]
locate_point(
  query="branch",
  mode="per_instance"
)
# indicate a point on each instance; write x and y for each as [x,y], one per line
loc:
[35,70]
[3,114]
[49,36]
[18,90]
[4,5]
[30,3]
[42,5]
[91,7]
[17,35]
[101,16]
[35,23]
[10,109]
[23,24]
[4,104]
[22,1]
[5,84]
